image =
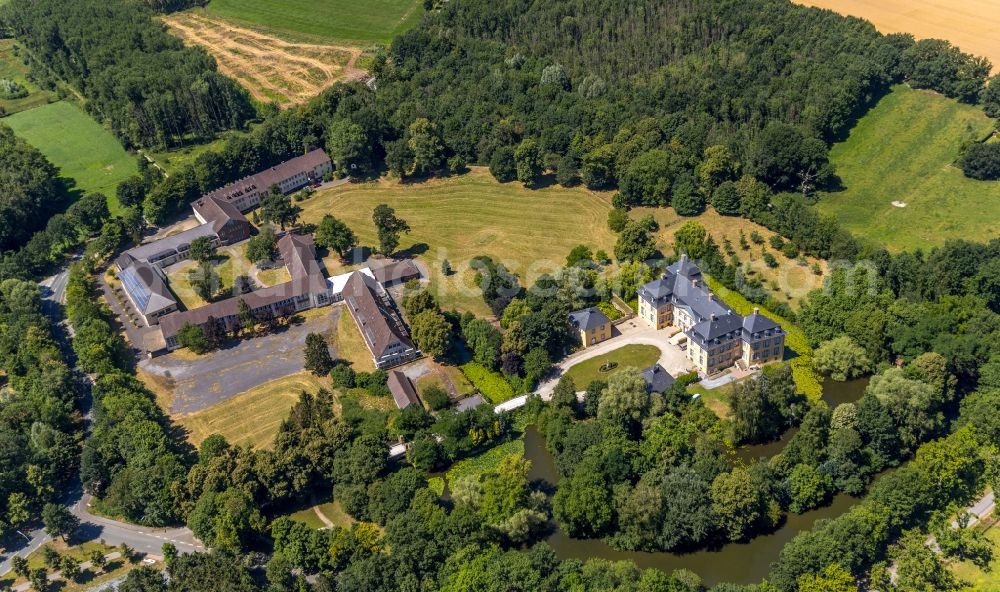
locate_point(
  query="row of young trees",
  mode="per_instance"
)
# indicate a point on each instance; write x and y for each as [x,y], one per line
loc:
[138,79]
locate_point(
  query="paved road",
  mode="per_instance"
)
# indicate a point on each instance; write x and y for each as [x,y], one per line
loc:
[215,377]
[112,532]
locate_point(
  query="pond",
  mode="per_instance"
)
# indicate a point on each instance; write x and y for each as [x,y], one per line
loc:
[739,563]
[834,393]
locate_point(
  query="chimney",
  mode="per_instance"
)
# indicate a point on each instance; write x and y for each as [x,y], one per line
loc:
[756,310]
[684,257]
[713,316]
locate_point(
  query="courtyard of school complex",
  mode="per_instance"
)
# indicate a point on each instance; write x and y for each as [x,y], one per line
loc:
[677,313]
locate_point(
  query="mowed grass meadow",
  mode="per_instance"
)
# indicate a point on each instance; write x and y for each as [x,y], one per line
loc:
[904,150]
[348,21]
[80,147]
[458,218]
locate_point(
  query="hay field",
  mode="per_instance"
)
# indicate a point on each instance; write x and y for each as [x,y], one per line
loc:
[972,25]
[458,218]
[270,68]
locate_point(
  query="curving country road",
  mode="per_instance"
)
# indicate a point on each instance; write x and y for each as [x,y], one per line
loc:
[92,527]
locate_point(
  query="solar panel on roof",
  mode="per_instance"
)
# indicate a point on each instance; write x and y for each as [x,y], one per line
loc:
[135,287]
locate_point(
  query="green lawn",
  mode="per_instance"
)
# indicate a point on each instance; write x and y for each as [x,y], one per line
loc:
[175,159]
[458,218]
[975,578]
[81,149]
[351,21]
[903,150]
[636,356]
[12,68]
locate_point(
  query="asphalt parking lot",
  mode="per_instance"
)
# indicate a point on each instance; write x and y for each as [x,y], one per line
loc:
[212,378]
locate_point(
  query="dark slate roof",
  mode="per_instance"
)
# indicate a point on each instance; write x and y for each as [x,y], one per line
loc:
[758,323]
[658,291]
[397,271]
[727,326]
[588,318]
[165,246]
[698,299]
[684,267]
[657,379]
[146,287]
[375,321]
[402,390]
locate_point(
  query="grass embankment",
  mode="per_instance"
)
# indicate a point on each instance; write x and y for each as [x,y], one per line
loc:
[254,416]
[803,373]
[12,68]
[485,462]
[353,21]
[974,577]
[175,159]
[904,151]
[458,218]
[83,150]
[331,511]
[636,356]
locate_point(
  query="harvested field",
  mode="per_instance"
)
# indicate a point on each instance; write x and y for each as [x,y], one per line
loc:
[972,25]
[270,68]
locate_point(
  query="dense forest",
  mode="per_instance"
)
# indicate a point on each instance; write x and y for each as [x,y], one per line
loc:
[137,78]
[29,190]
[732,103]
[40,427]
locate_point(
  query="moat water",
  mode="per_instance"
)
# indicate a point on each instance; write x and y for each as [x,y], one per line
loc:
[740,563]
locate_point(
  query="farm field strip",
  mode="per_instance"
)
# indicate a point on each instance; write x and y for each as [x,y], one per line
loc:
[340,21]
[972,25]
[270,68]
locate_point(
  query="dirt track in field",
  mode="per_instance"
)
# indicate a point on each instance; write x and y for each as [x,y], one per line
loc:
[972,25]
[271,69]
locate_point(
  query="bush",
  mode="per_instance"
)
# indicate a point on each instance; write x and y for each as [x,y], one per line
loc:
[776,242]
[770,260]
[342,376]
[617,219]
[982,161]
[436,398]
[11,90]
[491,384]
[790,250]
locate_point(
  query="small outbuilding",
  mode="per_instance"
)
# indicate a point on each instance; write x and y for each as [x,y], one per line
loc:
[592,325]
